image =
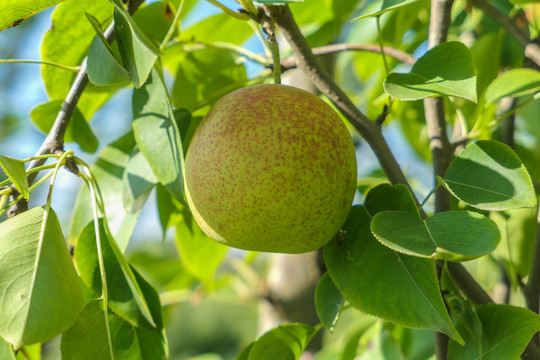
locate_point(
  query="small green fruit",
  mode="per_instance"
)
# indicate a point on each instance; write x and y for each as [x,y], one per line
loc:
[271,168]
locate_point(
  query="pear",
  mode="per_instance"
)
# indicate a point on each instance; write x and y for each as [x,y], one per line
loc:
[271,168]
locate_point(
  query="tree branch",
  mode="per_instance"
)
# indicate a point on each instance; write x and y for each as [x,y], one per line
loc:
[306,60]
[532,49]
[290,62]
[54,142]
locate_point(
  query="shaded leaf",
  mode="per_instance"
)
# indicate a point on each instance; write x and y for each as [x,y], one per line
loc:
[15,171]
[157,134]
[40,292]
[131,342]
[138,181]
[328,302]
[14,11]
[451,235]
[108,171]
[129,295]
[200,254]
[89,337]
[488,175]
[515,82]
[447,69]
[504,333]
[78,129]
[137,52]
[354,266]
[169,210]
[103,67]
[286,342]
[386,6]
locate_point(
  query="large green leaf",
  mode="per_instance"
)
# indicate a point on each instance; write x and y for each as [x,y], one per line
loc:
[15,11]
[15,171]
[371,277]
[502,333]
[328,302]
[218,28]
[386,6]
[170,211]
[200,254]
[204,76]
[489,175]
[67,42]
[451,235]
[157,134]
[286,342]
[447,69]
[131,342]
[138,53]
[90,336]
[138,181]
[78,129]
[40,292]
[108,171]
[129,295]
[516,82]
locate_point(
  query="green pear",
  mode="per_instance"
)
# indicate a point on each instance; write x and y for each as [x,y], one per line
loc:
[271,168]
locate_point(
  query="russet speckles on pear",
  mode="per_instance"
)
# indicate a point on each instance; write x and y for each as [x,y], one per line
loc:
[271,168]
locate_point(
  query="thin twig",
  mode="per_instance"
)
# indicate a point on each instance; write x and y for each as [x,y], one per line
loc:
[532,49]
[290,62]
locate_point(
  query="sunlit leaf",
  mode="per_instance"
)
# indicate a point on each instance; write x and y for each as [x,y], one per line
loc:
[515,82]
[138,181]
[385,6]
[488,175]
[40,292]
[447,69]
[451,235]
[16,172]
[6,351]
[15,11]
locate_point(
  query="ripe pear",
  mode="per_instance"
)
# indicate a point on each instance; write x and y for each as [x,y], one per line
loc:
[271,168]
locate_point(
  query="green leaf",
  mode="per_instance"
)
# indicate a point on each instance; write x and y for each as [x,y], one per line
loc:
[204,76]
[137,52]
[103,67]
[157,134]
[67,43]
[78,129]
[489,175]
[129,295]
[200,254]
[108,171]
[447,69]
[286,342]
[219,28]
[386,196]
[15,171]
[371,277]
[273,2]
[154,20]
[515,82]
[6,352]
[138,181]
[40,292]
[504,333]
[89,337]
[328,302]
[15,11]
[131,342]
[169,210]
[386,6]
[451,235]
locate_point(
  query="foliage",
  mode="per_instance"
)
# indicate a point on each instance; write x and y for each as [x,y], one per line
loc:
[399,269]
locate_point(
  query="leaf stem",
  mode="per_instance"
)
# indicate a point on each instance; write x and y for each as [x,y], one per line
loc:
[44,156]
[228,11]
[40,62]
[381,45]
[20,197]
[173,27]
[233,48]
[59,163]
[5,191]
